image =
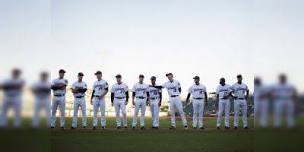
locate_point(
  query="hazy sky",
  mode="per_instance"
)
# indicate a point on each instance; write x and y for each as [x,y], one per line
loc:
[209,38]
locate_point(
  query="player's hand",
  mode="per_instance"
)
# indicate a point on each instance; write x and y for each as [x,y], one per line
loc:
[159,104]
[126,103]
[91,102]
[133,103]
[112,104]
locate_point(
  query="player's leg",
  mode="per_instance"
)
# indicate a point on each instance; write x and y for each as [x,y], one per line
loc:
[227,113]
[152,108]
[143,112]
[201,114]
[75,114]
[172,110]
[263,120]
[83,112]
[95,111]
[36,115]
[290,114]
[54,111]
[17,109]
[103,113]
[195,112]
[48,112]
[236,113]
[220,113]
[62,112]
[5,107]
[156,114]
[124,113]
[117,111]
[136,110]
[180,109]
[244,113]
[278,113]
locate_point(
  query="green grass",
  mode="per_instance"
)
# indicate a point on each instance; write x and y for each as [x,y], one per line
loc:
[128,140]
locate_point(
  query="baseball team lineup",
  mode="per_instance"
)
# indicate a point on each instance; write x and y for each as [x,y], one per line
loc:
[143,95]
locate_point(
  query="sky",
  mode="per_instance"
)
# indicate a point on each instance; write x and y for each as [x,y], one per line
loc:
[212,39]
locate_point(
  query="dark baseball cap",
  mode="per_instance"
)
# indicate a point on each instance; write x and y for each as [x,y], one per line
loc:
[98,72]
[153,78]
[141,76]
[168,74]
[80,74]
[239,76]
[61,71]
[196,77]
[118,76]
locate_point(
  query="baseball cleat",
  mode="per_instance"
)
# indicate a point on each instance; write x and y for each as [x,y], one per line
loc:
[103,127]
[218,128]
[52,127]
[94,128]
[226,127]
[172,128]
[126,127]
[186,127]
[118,127]
[62,127]
[202,128]
[246,127]
[84,127]
[73,128]
[133,127]
[194,127]
[142,128]
[235,128]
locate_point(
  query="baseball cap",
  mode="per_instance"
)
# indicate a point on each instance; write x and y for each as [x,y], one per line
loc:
[168,74]
[196,77]
[239,76]
[153,78]
[61,71]
[118,76]
[98,72]
[141,76]
[80,74]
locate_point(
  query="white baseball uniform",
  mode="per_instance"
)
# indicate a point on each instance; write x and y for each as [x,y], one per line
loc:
[12,99]
[239,91]
[119,91]
[154,98]
[79,101]
[175,101]
[58,100]
[283,95]
[42,91]
[261,105]
[224,104]
[140,91]
[198,102]
[99,103]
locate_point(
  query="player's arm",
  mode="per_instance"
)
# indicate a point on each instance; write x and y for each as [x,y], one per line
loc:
[180,90]
[112,98]
[133,97]
[105,92]
[75,90]
[160,100]
[206,97]
[148,95]
[92,96]
[188,97]
[127,97]
[247,94]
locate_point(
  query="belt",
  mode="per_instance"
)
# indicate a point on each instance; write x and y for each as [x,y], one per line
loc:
[174,96]
[198,98]
[119,97]
[58,95]
[240,98]
[79,96]
[141,97]
[153,98]
[97,96]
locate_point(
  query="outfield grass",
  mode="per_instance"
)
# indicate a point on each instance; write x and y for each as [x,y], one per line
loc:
[179,140]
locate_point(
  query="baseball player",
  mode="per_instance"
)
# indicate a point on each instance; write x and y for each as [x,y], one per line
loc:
[140,92]
[78,89]
[100,89]
[155,98]
[284,96]
[199,96]
[59,89]
[240,93]
[223,92]
[261,102]
[174,90]
[12,89]
[42,93]
[119,99]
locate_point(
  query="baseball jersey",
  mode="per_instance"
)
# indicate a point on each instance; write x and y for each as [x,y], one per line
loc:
[223,91]
[119,90]
[9,87]
[42,89]
[239,90]
[154,92]
[57,82]
[172,87]
[100,87]
[140,90]
[197,91]
[283,91]
[79,85]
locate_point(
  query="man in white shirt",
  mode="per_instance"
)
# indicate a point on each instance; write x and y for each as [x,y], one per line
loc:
[223,93]
[174,90]
[140,92]
[12,89]
[42,93]
[199,96]
[100,89]
[155,98]
[78,89]
[119,99]
[261,103]
[240,93]
[59,90]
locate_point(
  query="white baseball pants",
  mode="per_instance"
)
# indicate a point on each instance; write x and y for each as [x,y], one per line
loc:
[120,106]
[79,103]
[198,109]
[41,104]
[261,112]
[154,112]
[139,104]
[176,105]
[14,103]
[99,105]
[281,106]
[223,106]
[237,105]
[58,102]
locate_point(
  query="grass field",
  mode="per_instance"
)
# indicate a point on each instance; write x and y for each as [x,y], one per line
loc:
[179,140]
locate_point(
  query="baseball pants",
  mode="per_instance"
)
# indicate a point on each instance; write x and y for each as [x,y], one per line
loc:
[99,105]
[223,106]
[281,106]
[237,105]
[198,109]
[261,112]
[139,104]
[176,105]
[155,112]
[41,104]
[58,102]
[120,106]
[79,103]
[15,104]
